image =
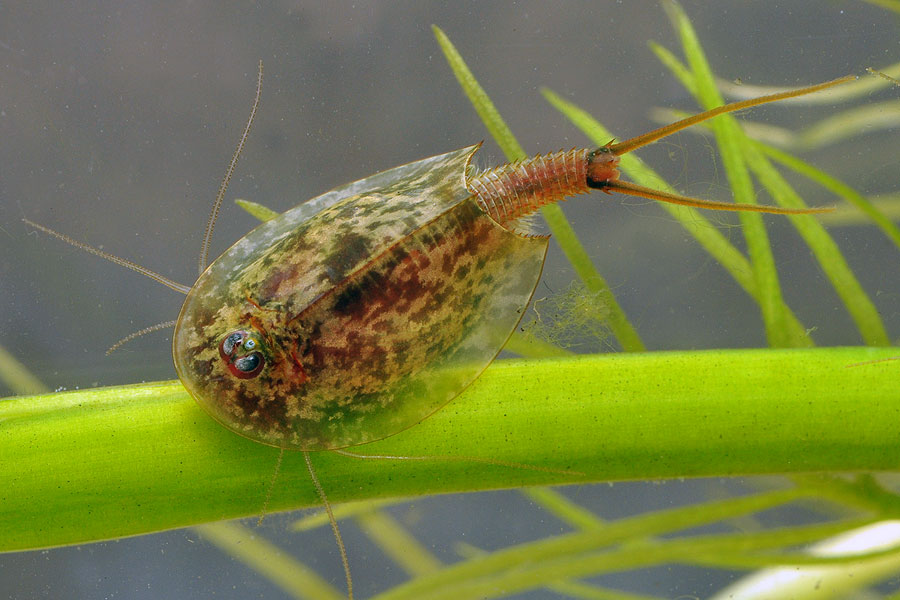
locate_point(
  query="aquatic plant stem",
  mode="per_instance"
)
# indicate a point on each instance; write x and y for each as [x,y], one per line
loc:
[111,462]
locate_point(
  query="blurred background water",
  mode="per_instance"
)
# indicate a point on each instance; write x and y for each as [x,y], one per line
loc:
[117,121]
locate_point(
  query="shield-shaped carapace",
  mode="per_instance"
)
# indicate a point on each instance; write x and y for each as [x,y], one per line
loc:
[356,315]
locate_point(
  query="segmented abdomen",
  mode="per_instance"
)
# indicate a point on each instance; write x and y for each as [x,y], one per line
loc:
[518,189]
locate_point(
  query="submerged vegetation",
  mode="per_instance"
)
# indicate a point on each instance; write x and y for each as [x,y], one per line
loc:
[790,411]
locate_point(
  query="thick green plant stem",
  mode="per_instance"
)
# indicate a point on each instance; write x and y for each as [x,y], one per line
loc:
[105,463]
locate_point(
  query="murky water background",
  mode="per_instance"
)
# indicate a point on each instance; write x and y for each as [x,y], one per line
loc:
[117,121]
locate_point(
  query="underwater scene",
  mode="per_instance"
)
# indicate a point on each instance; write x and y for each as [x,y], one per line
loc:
[658,402]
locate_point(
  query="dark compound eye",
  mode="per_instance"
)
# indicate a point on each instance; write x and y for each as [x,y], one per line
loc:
[248,366]
[232,340]
[242,366]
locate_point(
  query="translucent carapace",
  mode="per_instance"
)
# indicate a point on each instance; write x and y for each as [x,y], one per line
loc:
[359,313]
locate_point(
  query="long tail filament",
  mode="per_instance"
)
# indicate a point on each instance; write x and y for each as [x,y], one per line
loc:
[518,189]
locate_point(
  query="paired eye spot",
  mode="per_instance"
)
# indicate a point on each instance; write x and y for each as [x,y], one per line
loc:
[237,349]
[226,348]
[248,366]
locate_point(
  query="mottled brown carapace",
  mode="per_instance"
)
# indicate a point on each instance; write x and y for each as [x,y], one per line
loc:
[368,315]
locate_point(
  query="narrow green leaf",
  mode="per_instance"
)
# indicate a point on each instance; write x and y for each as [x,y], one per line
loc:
[838,187]
[344,510]
[17,377]
[719,550]
[270,561]
[893,5]
[823,247]
[564,509]
[482,103]
[701,228]
[263,213]
[829,256]
[397,543]
[827,580]
[854,122]
[728,135]
[549,550]
[678,68]
[578,590]
[563,233]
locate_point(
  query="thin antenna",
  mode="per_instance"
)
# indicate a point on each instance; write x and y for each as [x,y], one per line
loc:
[475,459]
[211,222]
[334,525]
[872,362]
[265,508]
[174,285]
[138,334]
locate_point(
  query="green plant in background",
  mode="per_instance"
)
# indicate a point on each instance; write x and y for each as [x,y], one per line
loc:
[700,413]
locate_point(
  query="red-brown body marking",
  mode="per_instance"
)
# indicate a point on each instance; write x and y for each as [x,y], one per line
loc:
[371,312]
[362,311]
